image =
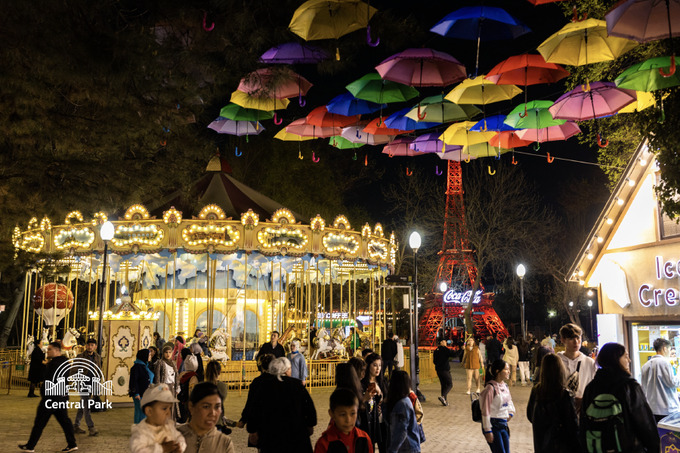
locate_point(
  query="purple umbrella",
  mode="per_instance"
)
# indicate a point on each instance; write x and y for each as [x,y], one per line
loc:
[400,147]
[430,143]
[550,134]
[226,126]
[422,68]
[581,103]
[292,53]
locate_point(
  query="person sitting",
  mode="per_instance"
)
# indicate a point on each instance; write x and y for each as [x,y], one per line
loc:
[157,432]
[342,435]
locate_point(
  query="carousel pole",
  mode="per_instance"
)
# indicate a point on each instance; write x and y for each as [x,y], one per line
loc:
[54,313]
[174,285]
[24,314]
[172,292]
[245,301]
[195,294]
[330,317]
[165,302]
[106,232]
[34,281]
[42,308]
[271,293]
[257,297]
[89,293]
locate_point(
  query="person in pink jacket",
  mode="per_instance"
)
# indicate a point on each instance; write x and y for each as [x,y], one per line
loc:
[497,408]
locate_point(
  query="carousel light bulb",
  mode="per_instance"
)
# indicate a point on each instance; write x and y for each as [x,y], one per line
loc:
[609,221]
[631,182]
[619,201]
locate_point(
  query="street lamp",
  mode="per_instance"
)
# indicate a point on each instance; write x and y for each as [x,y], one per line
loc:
[551,315]
[442,289]
[521,272]
[590,309]
[414,242]
[106,233]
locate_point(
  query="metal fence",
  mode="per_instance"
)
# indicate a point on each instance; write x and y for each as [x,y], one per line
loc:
[13,370]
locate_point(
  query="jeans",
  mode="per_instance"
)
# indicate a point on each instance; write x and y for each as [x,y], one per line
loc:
[84,410]
[42,416]
[445,381]
[139,413]
[501,436]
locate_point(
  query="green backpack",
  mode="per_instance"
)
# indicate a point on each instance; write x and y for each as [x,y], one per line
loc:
[604,426]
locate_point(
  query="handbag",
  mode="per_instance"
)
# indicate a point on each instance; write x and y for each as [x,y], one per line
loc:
[476,409]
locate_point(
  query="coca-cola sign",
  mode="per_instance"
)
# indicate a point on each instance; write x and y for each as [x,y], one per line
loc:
[463,298]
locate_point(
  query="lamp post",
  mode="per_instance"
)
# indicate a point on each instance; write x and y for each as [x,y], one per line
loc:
[106,233]
[442,288]
[551,315]
[414,242]
[521,272]
[590,309]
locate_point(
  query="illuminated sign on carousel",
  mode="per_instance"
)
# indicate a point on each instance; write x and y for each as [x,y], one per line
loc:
[463,298]
[225,235]
[282,237]
[653,297]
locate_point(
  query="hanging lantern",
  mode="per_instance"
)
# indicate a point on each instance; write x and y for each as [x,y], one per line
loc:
[58,301]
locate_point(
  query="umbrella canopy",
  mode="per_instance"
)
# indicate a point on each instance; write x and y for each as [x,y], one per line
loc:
[356,134]
[460,134]
[532,115]
[257,103]
[550,134]
[342,143]
[494,123]
[480,90]
[238,113]
[644,20]
[374,89]
[348,105]
[645,76]
[294,53]
[226,126]
[430,143]
[484,23]
[644,100]
[437,109]
[603,99]
[456,155]
[585,42]
[321,117]
[526,70]
[279,83]
[484,150]
[400,147]
[508,139]
[290,137]
[330,19]
[422,68]
[377,127]
[301,127]
[543,2]
[399,120]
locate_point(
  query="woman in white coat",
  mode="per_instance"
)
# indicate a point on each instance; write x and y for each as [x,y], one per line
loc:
[511,357]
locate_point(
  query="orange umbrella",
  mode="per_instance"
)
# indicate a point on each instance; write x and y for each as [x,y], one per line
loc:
[508,139]
[320,116]
[377,127]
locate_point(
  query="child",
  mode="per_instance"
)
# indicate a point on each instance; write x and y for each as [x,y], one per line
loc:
[157,432]
[342,435]
[497,408]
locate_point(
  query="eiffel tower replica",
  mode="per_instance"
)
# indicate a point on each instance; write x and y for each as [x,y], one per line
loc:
[458,270]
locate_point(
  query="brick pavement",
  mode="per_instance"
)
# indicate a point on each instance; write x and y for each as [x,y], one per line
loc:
[448,429]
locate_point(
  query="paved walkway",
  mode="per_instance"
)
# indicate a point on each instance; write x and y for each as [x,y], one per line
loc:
[447,429]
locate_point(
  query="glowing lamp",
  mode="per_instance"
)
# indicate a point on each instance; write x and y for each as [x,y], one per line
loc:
[106,231]
[521,271]
[414,241]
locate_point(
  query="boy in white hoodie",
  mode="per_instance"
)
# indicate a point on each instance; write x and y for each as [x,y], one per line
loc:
[157,432]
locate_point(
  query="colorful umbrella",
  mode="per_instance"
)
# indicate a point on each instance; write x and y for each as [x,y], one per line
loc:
[321,117]
[430,143]
[508,139]
[300,127]
[257,103]
[400,147]
[526,70]
[644,100]
[543,2]
[374,89]
[493,123]
[437,109]
[399,120]
[377,127]
[290,137]
[585,42]
[294,53]
[342,143]
[356,134]
[649,75]
[456,155]
[279,83]
[603,99]
[643,20]
[481,23]
[330,19]
[422,68]
[481,91]
[238,113]
[348,105]
[483,150]
[226,126]
[550,134]
[532,115]
[460,134]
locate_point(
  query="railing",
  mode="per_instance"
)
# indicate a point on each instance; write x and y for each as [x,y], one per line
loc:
[13,370]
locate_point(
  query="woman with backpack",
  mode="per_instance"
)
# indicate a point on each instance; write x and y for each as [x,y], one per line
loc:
[551,410]
[497,408]
[615,415]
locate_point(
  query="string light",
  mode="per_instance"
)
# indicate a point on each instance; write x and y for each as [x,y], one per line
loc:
[600,239]
[45,224]
[212,234]
[211,212]
[366,231]
[71,215]
[250,219]
[340,242]
[590,256]
[172,217]
[278,237]
[609,221]
[136,212]
[631,182]
[317,223]
[137,234]
[74,238]
[377,250]
[341,223]
[283,214]
[619,201]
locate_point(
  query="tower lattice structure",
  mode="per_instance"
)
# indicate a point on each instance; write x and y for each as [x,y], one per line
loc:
[458,270]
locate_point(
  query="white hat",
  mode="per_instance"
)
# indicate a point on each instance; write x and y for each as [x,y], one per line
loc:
[190,363]
[158,392]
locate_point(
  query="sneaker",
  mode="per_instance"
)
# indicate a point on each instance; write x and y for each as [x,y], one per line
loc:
[67,449]
[25,448]
[93,431]
[442,400]
[468,392]
[78,430]
[478,391]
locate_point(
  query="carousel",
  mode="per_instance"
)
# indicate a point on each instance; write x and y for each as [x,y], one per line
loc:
[236,265]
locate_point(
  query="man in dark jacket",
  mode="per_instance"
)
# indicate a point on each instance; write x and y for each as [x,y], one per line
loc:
[52,404]
[441,358]
[388,353]
[36,372]
[90,353]
[273,347]
[494,349]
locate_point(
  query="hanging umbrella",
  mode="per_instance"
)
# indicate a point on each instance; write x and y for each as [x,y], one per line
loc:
[399,120]
[330,19]
[356,134]
[493,123]
[585,42]
[643,20]
[532,115]
[456,155]
[226,126]
[430,143]
[644,100]
[543,2]
[550,134]
[321,117]
[437,109]
[484,150]
[374,89]
[481,23]
[290,137]
[647,75]
[342,143]
[279,83]
[508,139]
[377,127]
[460,134]
[348,105]
[422,68]
[257,103]
[481,91]
[526,70]
[238,113]
[301,127]
[400,147]
[603,99]
[294,53]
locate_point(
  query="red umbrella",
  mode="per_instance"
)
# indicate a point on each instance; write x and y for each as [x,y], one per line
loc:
[302,128]
[320,116]
[526,70]
[422,68]
[508,139]
[377,127]
[279,83]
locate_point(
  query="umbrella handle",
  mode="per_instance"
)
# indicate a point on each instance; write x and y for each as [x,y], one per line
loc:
[549,158]
[599,142]
[586,87]
[671,70]
[277,120]
[366,160]
[421,117]
[662,117]
[513,161]
[409,172]
[302,101]
[205,23]
[498,157]
[437,171]
[368,38]
[537,146]
[467,159]
[166,130]
[491,172]
[164,142]
[300,156]
[358,134]
[355,156]
[391,154]
[337,54]
[314,158]
[525,112]
[237,153]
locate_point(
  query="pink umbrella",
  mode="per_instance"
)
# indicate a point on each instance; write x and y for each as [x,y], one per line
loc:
[302,128]
[279,83]
[601,99]
[400,147]
[550,134]
[356,134]
[430,143]
[422,68]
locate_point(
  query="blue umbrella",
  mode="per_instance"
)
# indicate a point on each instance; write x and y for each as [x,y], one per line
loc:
[492,123]
[399,120]
[484,23]
[348,105]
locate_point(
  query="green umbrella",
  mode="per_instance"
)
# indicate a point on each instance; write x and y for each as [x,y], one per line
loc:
[237,113]
[646,76]
[342,143]
[532,115]
[374,89]
[438,110]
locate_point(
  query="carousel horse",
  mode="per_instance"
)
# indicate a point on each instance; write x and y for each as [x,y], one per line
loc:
[30,343]
[69,342]
[338,339]
[291,334]
[329,345]
[218,344]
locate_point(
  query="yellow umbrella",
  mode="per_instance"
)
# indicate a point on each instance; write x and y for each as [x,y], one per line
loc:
[585,42]
[481,91]
[483,150]
[461,135]
[258,103]
[330,19]
[644,99]
[290,137]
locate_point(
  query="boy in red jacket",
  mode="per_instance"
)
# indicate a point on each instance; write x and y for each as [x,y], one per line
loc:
[342,435]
